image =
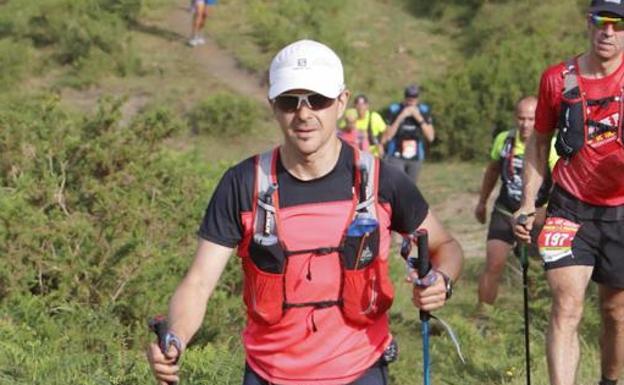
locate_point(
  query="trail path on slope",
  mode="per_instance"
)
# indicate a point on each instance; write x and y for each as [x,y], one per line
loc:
[215,61]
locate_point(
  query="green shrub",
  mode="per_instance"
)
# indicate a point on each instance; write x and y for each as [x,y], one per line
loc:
[14,59]
[225,114]
[89,37]
[504,58]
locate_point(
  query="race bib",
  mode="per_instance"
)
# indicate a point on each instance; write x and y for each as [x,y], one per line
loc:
[409,149]
[555,239]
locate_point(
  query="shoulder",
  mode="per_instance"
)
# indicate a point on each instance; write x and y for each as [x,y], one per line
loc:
[424,108]
[376,117]
[395,108]
[552,77]
[501,137]
[554,70]
[244,169]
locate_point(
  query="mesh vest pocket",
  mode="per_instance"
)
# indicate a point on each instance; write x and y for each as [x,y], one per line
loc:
[264,282]
[367,293]
[263,294]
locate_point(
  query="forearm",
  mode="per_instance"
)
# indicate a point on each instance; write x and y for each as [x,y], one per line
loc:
[428,131]
[534,168]
[490,177]
[188,304]
[390,132]
[187,308]
[449,258]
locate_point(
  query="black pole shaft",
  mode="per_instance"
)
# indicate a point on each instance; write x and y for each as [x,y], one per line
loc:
[525,283]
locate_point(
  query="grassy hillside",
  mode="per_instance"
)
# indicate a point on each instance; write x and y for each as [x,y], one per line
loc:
[113,135]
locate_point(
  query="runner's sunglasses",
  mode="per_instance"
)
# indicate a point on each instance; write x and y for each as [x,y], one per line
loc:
[292,102]
[603,21]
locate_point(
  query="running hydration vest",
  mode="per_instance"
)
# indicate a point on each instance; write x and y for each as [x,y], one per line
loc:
[576,128]
[365,291]
[511,177]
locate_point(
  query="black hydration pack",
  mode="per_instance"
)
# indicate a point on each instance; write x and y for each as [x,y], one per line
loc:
[575,126]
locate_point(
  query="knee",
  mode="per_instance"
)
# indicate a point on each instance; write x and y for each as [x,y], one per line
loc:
[495,266]
[567,312]
[613,315]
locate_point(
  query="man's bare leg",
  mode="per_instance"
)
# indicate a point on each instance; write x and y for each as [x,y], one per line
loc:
[198,18]
[496,257]
[612,335]
[568,285]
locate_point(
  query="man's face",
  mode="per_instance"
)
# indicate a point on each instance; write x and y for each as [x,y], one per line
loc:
[308,128]
[606,34]
[361,106]
[525,119]
[411,101]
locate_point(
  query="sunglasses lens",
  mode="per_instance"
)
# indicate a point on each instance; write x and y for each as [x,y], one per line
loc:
[319,102]
[287,103]
[603,21]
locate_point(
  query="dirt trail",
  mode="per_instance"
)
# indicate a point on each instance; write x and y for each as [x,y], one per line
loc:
[215,62]
[173,29]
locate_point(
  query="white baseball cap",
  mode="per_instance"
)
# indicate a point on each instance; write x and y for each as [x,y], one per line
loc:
[307,65]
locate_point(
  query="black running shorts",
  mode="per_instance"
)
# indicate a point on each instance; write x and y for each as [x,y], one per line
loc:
[578,234]
[501,227]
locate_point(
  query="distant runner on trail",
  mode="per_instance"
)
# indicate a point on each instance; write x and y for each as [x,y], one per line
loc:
[410,132]
[349,132]
[368,122]
[583,235]
[200,9]
[506,156]
[311,222]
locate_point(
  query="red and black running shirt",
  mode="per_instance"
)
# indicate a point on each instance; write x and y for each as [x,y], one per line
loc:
[233,196]
[595,174]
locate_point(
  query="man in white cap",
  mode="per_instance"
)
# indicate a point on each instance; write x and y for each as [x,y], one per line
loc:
[311,221]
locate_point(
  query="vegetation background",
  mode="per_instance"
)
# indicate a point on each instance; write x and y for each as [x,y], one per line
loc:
[113,135]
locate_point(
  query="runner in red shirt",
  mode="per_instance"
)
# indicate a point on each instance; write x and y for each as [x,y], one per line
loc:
[583,236]
[311,221]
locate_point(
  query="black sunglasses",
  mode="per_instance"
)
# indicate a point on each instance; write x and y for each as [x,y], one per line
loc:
[292,102]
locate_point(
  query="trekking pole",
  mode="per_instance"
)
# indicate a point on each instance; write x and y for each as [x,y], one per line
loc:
[423,269]
[524,261]
[159,326]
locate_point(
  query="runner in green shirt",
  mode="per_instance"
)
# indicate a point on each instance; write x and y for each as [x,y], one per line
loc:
[369,122]
[507,158]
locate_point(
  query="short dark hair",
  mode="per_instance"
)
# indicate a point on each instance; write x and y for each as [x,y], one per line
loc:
[360,98]
[412,91]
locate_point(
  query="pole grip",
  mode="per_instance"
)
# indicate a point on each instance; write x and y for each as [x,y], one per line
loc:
[424,263]
[160,327]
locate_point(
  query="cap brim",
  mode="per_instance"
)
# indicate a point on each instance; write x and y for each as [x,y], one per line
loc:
[611,8]
[312,82]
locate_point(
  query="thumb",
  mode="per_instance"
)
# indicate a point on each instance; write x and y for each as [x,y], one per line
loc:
[173,353]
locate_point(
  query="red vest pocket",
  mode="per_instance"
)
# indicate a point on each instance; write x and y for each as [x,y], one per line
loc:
[367,293]
[263,294]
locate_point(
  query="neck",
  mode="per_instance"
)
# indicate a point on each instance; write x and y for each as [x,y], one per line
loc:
[313,165]
[592,66]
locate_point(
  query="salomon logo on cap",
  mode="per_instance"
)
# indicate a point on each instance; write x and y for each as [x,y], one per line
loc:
[307,65]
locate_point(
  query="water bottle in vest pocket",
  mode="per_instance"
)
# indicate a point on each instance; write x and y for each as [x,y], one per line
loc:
[264,280]
[366,291]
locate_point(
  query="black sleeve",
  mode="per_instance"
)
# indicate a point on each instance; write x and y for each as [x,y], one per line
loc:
[222,219]
[409,207]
